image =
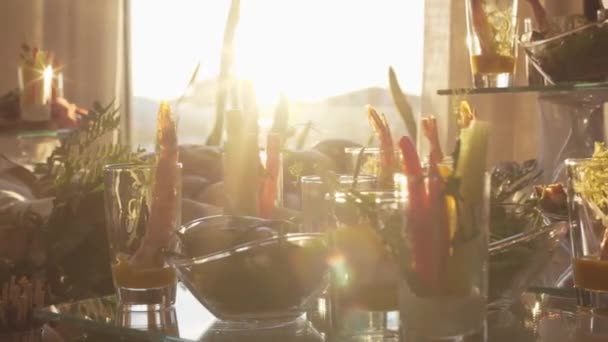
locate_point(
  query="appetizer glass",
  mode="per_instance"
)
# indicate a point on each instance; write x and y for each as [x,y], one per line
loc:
[492,41]
[128,202]
[363,295]
[370,165]
[316,211]
[443,260]
[370,162]
[588,209]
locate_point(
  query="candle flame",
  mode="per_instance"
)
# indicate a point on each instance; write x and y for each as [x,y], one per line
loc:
[47,79]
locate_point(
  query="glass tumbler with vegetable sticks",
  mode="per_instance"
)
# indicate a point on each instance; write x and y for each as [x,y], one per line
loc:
[368,158]
[143,208]
[316,211]
[363,295]
[492,41]
[588,213]
[443,256]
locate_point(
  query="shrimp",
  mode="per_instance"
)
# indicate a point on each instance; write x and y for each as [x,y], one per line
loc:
[163,210]
[387,151]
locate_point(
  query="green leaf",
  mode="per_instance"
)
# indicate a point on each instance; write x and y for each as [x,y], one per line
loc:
[227,57]
[403,106]
[303,136]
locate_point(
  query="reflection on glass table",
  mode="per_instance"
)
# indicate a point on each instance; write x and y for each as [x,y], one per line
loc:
[538,317]
[186,321]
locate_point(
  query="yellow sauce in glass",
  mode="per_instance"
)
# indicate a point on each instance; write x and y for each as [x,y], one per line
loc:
[492,64]
[591,274]
[131,277]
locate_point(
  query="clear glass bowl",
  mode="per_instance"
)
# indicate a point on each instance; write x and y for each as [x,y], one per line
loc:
[263,283]
[517,260]
[576,55]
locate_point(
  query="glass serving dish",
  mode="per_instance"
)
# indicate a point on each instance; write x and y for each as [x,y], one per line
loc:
[517,260]
[264,283]
[575,55]
[213,234]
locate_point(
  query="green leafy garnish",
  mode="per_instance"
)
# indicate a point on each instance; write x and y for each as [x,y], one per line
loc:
[591,181]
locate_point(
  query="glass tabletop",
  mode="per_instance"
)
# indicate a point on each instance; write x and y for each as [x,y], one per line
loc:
[537,317]
[558,88]
[186,321]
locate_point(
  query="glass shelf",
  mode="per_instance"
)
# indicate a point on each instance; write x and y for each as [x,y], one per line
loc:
[537,317]
[559,88]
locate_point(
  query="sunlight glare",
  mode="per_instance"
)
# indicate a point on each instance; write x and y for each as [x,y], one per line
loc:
[308,49]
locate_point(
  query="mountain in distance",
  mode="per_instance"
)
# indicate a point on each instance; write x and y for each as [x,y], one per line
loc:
[339,116]
[204,93]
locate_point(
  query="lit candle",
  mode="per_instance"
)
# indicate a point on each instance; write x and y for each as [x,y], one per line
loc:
[47,84]
[59,84]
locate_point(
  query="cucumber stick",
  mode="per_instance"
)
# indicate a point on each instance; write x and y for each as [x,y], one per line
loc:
[470,170]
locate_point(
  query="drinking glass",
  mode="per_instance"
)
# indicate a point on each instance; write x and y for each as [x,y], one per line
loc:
[370,162]
[588,210]
[141,282]
[492,41]
[443,262]
[363,294]
[370,165]
[315,206]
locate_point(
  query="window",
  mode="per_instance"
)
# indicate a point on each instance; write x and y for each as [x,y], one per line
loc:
[329,58]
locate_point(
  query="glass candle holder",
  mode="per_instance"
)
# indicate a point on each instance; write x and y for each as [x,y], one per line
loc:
[587,179]
[37,87]
[141,282]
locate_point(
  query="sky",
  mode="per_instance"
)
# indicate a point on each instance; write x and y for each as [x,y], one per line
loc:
[307,49]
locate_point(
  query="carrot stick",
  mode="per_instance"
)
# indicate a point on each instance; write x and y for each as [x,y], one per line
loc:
[269,191]
[429,126]
[417,226]
[439,226]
